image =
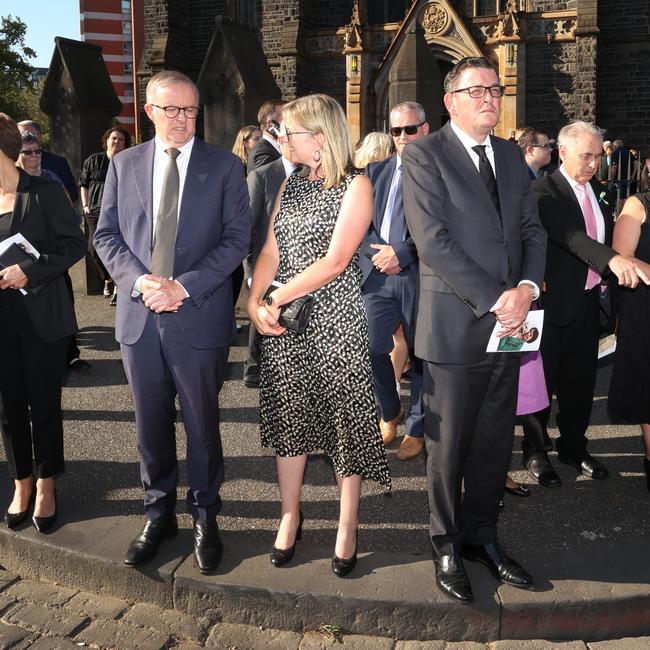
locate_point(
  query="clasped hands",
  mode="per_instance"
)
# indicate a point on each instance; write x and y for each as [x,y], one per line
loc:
[161,294]
[385,260]
[265,318]
[629,270]
[13,277]
[511,309]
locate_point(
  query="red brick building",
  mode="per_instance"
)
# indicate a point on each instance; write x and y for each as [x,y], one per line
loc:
[108,23]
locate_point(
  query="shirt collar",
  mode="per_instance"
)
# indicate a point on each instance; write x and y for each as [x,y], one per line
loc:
[274,142]
[467,141]
[289,167]
[398,162]
[574,183]
[161,147]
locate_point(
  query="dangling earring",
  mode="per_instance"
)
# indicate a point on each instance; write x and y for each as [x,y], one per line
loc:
[315,155]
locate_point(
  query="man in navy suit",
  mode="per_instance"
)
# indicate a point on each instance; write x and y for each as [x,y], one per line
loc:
[174,225]
[389,263]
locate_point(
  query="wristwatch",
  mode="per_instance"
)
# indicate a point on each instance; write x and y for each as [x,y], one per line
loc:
[269,300]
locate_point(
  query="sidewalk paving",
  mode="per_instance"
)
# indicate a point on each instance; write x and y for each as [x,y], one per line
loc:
[586,544]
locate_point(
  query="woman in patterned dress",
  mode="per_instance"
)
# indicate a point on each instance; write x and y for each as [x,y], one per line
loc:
[316,387]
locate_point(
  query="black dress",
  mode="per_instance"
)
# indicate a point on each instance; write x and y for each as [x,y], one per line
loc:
[316,387]
[629,393]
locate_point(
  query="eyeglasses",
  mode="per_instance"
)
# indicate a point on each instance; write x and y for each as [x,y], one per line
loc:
[411,129]
[288,133]
[478,92]
[171,112]
[546,145]
[31,152]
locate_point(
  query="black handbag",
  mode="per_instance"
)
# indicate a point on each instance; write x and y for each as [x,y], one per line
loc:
[295,315]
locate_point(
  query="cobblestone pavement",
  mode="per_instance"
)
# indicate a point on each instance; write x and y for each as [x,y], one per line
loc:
[43,616]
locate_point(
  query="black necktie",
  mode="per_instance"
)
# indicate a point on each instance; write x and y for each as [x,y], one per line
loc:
[487,175]
[162,256]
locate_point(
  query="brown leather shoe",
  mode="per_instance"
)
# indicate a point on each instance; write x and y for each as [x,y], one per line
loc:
[389,429]
[410,448]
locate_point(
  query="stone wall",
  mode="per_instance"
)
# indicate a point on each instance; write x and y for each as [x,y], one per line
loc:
[623,91]
[551,5]
[550,100]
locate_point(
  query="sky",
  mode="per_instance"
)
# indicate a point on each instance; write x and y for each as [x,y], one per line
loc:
[45,19]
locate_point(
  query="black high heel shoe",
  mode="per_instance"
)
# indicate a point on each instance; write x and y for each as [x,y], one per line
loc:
[13,519]
[646,467]
[43,524]
[341,566]
[280,556]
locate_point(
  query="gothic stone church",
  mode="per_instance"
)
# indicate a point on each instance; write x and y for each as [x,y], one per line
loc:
[586,59]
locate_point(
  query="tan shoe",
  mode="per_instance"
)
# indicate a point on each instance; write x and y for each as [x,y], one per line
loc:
[389,429]
[410,448]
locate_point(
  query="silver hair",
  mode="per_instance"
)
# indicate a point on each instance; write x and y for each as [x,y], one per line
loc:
[30,125]
[572,130]
[168,78]
[404,107]
[607,143]
[617,144]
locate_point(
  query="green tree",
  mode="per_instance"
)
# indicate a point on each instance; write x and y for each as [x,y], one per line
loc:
[14,65]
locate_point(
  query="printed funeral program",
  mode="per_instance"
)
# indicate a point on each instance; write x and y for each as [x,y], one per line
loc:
[526,339]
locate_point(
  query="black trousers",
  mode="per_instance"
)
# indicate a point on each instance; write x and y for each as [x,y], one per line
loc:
[91,224]
[73,351]
[570,356]
[30,384]
[469,419]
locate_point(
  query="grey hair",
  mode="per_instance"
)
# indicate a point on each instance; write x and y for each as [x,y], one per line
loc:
[30,124]
[617,144]
[405,107]
[168,78]
[572,130]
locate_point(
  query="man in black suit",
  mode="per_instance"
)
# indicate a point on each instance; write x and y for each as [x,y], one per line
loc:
[481,252]
[263,187]
[267,149]
[579,228]
[389,263]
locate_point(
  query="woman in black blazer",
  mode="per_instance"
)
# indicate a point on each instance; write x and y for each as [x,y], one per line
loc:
[34,330]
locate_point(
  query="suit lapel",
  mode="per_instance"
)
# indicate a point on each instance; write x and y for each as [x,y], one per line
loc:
[143,174]
[383,189]
[197,173]
[461,161]
[22,202]
[568,196]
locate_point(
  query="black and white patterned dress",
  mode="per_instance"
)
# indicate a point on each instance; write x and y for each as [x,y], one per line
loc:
[316,387]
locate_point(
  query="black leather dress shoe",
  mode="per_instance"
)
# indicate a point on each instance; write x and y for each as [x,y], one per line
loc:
[502,567]
[208,548]
[146,544]
[43,524]
[540,468]
[79,365]
[522,490]
[280,556]
[586,464]
[452,579]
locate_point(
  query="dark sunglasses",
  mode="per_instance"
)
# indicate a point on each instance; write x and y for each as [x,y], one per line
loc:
[411,129]
[31,152]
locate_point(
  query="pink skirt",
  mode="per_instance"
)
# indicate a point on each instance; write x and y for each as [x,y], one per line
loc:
[532,395]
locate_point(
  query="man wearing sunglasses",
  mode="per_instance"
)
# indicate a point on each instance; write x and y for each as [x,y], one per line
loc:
[481,250]
[390,266]
[173,226]
[537,150]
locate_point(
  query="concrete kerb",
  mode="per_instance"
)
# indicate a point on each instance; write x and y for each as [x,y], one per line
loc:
[390,595]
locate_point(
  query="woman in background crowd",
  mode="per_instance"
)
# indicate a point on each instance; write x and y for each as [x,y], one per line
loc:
[34,328]
[316,386]
[245,142]
[629,392]
[374,147]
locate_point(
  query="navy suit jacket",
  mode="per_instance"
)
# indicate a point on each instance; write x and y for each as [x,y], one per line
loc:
[212,239]
[381,175]
[59,165]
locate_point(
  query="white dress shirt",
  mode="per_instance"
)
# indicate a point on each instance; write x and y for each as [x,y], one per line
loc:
[289,167]
[468,142]
[273,141]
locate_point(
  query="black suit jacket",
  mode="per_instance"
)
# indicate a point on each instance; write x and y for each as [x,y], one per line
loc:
[44,216]
[381,176]
[263,154]
[59,165]
[469,254]
[263,187]
[570,250]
